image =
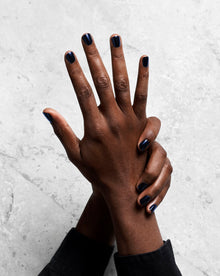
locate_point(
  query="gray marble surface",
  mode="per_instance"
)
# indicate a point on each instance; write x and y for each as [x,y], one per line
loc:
[41,194]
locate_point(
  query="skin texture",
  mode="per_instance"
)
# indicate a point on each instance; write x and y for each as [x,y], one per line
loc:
[108,155]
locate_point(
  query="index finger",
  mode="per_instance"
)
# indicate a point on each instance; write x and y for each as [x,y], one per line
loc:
[81,86]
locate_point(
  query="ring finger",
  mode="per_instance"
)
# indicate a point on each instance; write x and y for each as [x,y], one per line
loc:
[154,190]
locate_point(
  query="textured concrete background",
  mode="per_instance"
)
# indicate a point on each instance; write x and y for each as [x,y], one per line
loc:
[41,194]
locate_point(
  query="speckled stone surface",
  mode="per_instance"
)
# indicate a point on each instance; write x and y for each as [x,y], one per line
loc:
[41,194]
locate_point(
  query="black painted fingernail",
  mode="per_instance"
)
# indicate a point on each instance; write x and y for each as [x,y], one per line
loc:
[70,57]
[141,187]
[144,144]
[145,200]
[145,61]
[116,41]
[87,39]
[153,207]
[49,117]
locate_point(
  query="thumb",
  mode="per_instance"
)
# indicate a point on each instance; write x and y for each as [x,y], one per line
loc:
[65,134]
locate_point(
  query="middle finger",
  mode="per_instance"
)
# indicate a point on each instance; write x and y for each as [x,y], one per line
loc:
[99,74]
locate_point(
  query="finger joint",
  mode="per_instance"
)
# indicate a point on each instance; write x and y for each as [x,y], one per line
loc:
[102,82]
[85,92]
[121,85]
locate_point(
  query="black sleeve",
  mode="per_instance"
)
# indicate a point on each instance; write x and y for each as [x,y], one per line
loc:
[78,255]
[157,263]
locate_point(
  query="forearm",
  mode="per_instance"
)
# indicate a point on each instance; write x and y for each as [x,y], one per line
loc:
[135,231]
[95,221]
[85,250]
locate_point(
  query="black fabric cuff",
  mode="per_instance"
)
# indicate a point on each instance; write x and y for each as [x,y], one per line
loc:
[159,262]
[79,255]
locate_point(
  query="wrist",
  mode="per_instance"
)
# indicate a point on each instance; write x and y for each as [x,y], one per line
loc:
[136,232]
[121,197]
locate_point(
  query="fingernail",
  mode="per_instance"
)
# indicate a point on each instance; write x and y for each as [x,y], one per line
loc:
[49,117]
[87,39]
[145,61]
[70,57]
[153,207]
[116,41]
[145,200]
[141,187]
[144,144]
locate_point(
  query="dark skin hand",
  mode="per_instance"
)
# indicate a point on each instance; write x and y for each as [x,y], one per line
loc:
[108,155]
[95,221]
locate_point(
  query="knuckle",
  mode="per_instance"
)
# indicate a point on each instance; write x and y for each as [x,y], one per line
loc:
[115,128]
[118,55]
[157,190]
[98,132]
[168,166]
[160,199]
[151,175]
[121,84]
[141,97]
[162,152]
[116,125]
[102,81]
[92,52]
[60,130]
[85,92]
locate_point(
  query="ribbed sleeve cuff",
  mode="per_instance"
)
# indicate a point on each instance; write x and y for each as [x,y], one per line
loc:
[159,262]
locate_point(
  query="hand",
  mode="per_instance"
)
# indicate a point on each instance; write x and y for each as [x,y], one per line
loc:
[107,155]
[155,180]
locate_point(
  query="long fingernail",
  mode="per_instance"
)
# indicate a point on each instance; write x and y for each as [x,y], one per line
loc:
[87,39]
[153,207]
[145,200]
[145,61]
[70,57]
[141,187]
[49,117]
[116,41]
[144,144]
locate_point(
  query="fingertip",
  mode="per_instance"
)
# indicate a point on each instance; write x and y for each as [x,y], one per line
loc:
[47,110]
[142,146]
[49,113]
[145,62]
[147,210]
[69,57]
[86,39]
[115,34]
[141,187]
[152,208]
[67,52]
[48,116]
[53,116]
[115,40]
[138,202]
